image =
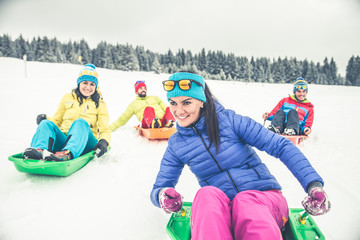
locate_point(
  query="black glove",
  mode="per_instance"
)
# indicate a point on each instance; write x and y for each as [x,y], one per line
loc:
[101,147]
[40,117]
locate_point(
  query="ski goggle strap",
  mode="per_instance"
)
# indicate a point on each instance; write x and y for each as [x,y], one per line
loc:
[184,84]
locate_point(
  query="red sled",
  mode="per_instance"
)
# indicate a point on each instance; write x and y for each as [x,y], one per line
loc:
[296,139]
[156,133]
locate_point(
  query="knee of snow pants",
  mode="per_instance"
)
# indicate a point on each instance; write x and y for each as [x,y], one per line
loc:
[252,215]
[292,120]
[279,120]
[210,215]
[259,215]
[48,136]
[167,117]
[148,117]
[80,138]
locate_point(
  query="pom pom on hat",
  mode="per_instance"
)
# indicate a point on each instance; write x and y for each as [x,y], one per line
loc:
[88,73]
[138,85]
[197,92]
[300,84]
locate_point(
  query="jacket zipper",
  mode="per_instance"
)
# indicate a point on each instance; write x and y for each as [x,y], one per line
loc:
[232,180]
[86,107]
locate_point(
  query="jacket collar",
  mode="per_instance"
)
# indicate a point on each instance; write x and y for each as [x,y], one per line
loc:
[141,98]
[295,99]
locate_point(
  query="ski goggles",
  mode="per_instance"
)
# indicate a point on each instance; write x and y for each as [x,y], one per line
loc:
[184,84]
[88,72]
[300,87]
[137,82]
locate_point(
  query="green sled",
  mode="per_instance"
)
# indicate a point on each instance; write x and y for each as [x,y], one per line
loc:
[178,227]
[42,167]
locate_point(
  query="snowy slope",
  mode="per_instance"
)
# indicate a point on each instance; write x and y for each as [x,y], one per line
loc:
[109,198]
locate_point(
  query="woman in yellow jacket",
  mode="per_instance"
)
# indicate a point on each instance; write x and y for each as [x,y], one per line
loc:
[80,120]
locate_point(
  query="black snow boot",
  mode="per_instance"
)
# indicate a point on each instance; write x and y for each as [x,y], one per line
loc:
[32,153]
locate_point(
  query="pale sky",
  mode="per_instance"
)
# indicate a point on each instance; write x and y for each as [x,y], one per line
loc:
[311,29]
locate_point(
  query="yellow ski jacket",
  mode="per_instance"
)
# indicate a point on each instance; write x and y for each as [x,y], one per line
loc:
[137,107]
[69,109]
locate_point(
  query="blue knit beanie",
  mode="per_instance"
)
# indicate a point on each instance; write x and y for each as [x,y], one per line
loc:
[300,82]
[195,91]
[88,73]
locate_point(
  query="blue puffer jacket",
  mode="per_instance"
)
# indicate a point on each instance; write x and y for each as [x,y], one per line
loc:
[235,167]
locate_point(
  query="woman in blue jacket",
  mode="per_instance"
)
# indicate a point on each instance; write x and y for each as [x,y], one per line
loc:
[238,198]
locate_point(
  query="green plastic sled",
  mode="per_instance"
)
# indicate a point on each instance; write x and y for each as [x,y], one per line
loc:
[178,227]
[42,167]
[295,230]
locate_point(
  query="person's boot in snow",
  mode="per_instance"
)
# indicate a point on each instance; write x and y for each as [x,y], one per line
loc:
[273,129]
[289,131]
[60,156]
[169,124]
[156,123]
[32,153]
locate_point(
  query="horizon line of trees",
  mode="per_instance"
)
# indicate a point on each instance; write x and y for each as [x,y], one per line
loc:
[211,64]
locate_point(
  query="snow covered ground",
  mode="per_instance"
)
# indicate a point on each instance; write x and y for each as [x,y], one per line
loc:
[109,198]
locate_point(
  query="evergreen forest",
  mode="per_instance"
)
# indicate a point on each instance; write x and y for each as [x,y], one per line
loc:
[210,64]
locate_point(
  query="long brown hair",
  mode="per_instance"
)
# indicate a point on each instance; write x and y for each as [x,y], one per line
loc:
[209,112]
[211,119]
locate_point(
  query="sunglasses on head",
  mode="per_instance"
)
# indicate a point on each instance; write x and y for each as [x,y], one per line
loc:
[184,84]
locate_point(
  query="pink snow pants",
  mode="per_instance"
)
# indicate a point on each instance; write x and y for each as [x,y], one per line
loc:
[252,215]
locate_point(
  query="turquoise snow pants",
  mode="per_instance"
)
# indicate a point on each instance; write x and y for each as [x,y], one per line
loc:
[78,141]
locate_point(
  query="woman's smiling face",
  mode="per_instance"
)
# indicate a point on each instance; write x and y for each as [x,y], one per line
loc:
[87,88]
[186,110]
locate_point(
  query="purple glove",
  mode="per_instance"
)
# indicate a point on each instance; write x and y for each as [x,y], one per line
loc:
[170,200]
[317,202]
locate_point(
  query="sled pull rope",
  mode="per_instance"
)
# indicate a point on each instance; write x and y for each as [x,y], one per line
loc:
[303,216]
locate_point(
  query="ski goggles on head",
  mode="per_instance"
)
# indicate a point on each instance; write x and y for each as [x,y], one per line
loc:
[88,72]
[137,82]
[300,87]
[184,84]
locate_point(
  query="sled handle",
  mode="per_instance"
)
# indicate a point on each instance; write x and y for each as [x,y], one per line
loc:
[303,216]
[183,211]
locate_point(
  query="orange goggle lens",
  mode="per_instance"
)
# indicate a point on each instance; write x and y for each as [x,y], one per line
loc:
[301,87]
[168,85]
